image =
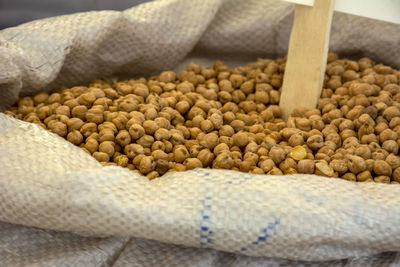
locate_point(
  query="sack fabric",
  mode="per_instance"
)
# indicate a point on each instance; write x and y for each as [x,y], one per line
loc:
[60,207]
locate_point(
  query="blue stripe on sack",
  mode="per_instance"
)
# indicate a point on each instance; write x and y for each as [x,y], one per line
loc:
[203,173]
[205,232]
[267,232]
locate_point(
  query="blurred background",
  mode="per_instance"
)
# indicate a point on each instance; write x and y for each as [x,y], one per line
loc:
[15,12]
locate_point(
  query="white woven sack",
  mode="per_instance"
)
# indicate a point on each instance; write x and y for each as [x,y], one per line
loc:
[48,183]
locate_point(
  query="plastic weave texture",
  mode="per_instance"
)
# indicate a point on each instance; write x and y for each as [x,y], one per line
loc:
[60,207]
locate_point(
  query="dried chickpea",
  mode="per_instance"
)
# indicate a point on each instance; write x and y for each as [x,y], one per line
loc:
[240,139]
[305,166]
[75,137]
[349,177]
[230,119]
[381,167]
[322,168]
[382,179]
[209,141]
[180,153]
[146,165]
[192,163]
[107,147]
[101,156]
[58,128]
[136,131]
[206,157]
[298,153]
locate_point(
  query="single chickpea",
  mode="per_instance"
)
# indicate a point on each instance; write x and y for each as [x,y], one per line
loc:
[107,147]
[146,141]
[277,154]
[315,142]
[206,157]
[159,154]
[101,156]
[305,166]
[79,112]
[206,126]
[363,176]
[396,174]
[63,110]
[75,137]
[322,168]
[91,145]
[339,165]
[40,98]
[391,112]
[167,76]
[381,167]
[349,177]
[59,128]
[275,171]
[382,179]
[106,135]
[88,128]
[387,134]
[150,127]
[85,99]
[123,138]
[192,163]
[146,165]
[236,80]
[209,141]
[122,160]
[180,153]
[221,148]
[240,139]
[54,98]
[390,146]
[223,161]
[74,124]
[393,160]
[136,131]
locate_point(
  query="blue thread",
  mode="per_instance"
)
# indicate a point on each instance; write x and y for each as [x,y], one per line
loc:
[205,232]
[271,227]
[206,175]
[312,199]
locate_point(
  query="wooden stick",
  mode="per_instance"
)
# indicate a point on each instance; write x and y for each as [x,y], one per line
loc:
[306,61]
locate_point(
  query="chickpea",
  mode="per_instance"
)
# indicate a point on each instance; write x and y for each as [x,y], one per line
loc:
[58,127]
[339,165]
[349,177]
[180,153]
[305,166]
[146,165]
[223,161]
[240,139]
[85,99]
[75,137]
[133,150]
[192,163]
[382,179]
[381,167]
[122,161]
[209,141]
[79,112]
[123,138]
[315,142]
[101,156]
[107,147]
[136,131]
